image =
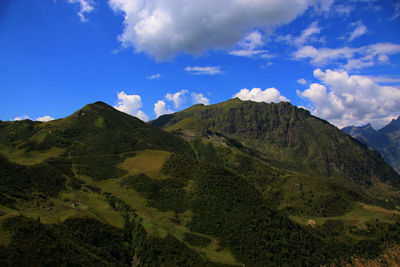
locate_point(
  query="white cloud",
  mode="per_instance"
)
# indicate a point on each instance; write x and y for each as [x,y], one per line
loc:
[256,94]
[343,10]
[45,118]
[250,46]
[385,79]
[154,76]
[131,104]
[25,117]
[165,28]
[345,99]
[160,108]
[203,70]
[323,56]
[347,57]
[396,11]
[178,98]
[322,6]
[302,81]
[359,29]
[199,98]
[141,115]
[85,6]
[306,34]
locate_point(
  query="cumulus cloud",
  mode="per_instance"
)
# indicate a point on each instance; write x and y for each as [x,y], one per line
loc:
[178,98]
[359,29]
[345,99]
[85,6]
[131,104]
[164,28]
[302,81]
[256,94]
[141,115]
[45,118]
[160,108]
[348,57]
[250,46]
[154,76]
[203,70]
[385,79]
[20,118]
[199,98]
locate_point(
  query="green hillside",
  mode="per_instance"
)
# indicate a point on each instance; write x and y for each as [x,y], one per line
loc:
[291,138]
[233,184]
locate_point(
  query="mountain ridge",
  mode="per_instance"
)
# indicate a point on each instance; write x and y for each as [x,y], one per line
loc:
[282,131]
[234,186]
[385,140]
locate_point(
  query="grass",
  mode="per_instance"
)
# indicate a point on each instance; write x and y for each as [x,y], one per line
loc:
[32,157]
[159,223]
[358,216]
[57,210]
[188,124]
[5,213]
[146,161]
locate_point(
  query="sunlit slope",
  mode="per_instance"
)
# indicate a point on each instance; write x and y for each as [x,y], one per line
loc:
[193,195]
[290,138]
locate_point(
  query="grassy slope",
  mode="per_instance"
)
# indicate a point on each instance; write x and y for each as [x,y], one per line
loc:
[279,185]
[94,205]
[306,195]
[288,135]
[156,222]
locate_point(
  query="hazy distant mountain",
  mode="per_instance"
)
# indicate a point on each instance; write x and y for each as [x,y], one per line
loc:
[385,140]
[232,184]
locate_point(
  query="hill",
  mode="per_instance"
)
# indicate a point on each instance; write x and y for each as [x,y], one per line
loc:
[233,184]
[290,137]
[386,140]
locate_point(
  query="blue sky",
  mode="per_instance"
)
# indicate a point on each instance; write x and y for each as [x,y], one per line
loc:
[339,59]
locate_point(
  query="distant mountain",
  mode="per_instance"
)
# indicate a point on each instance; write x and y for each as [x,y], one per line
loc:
[386,140]
[233,184]
[289,137]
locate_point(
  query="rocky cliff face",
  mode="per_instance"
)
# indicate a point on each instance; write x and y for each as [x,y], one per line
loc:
[385,140]
[290,136]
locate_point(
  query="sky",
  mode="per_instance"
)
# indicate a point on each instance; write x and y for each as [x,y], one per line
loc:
[338,59]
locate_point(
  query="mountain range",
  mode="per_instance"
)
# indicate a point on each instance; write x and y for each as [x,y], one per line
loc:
[237,183]
[385,140]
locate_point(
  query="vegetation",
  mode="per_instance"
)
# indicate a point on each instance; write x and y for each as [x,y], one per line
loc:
[248,184]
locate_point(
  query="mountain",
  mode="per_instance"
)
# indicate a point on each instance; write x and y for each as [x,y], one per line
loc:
[289,137]
[386,140]
[233,184]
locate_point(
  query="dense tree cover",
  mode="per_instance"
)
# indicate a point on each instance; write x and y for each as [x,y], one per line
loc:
[100,167]
[290,137]
[164,194]
[196,240]
[74,242]
[233,192]
[89,242]
[18,181]
[227,206]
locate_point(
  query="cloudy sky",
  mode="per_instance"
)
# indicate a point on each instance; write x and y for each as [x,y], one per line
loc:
[338,58]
